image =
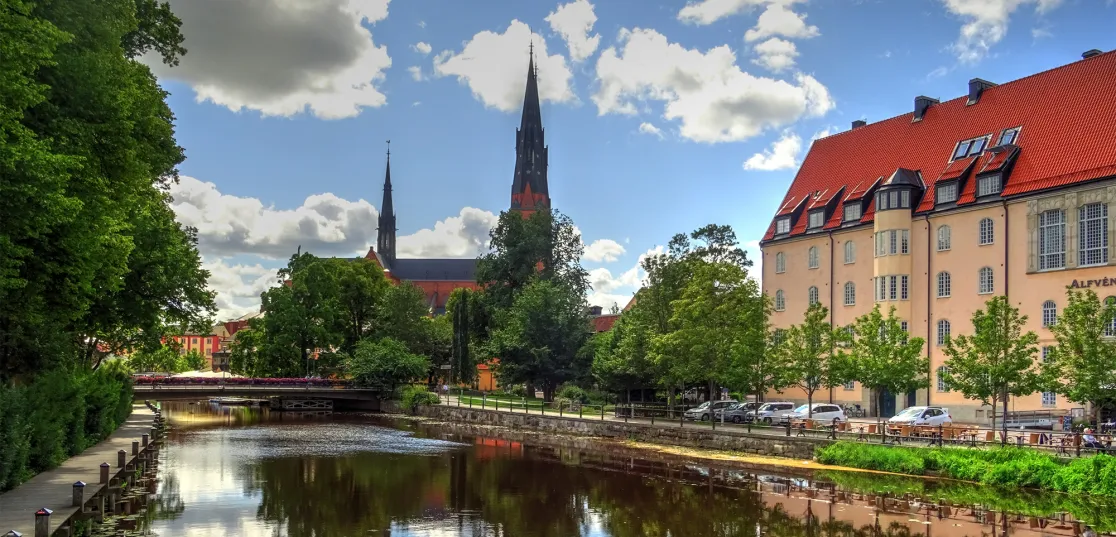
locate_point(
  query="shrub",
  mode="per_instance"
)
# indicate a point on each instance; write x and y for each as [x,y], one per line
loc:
[574,394]
[413,397]
[517,391]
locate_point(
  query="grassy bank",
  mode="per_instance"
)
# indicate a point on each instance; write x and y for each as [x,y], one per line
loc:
[58,415]
[1004,467]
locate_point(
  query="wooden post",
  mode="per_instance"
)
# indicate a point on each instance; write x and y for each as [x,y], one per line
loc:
[135,447]
[121,458]
[79,494]
[42,522]
[104,473]
[144,440]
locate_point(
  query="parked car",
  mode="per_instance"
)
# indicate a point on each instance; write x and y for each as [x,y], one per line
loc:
[773,412]
[740,412]
[825,412]
[922,415]
[704,410]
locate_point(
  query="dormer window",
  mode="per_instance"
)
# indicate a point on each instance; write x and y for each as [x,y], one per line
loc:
[968,148]
[817,219]
[782,226]
[947,193]
[1009,136]
[852,212]
[987,186]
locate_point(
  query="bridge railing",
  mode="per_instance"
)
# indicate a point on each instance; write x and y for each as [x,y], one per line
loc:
[231,382]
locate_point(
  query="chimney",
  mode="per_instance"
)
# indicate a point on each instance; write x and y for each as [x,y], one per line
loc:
[595,311]
[977,87]
[1090,53]
[859,123]
[922,103]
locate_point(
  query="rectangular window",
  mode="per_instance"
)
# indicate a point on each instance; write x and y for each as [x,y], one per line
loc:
[893,241]
[893,202]
[1049,399]
[1009,136]
[850,386]
[978,146]
[986,186]
[903,289]
[881,288]
[1092,235]
[881,201]
[904,241]
[852,212]
[817,219]
[880,250]
[947,193]
[905,199]
[892,287]
[962,150]
[782,226]
[1052,240]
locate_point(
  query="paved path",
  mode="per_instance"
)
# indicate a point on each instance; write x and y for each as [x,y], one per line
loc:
[54,489]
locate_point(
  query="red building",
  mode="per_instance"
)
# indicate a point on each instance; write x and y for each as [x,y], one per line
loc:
[439,277]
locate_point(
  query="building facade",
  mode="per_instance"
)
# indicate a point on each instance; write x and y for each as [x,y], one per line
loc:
[530,191]
[1009,190]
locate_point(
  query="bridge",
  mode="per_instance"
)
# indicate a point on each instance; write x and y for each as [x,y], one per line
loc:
[342,397]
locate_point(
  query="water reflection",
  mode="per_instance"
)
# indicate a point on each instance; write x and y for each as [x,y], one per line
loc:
[238,471]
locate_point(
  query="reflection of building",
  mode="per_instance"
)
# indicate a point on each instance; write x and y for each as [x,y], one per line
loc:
[1008,190]
[439,277]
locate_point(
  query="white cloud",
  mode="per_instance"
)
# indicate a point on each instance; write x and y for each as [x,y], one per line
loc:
[416,73]
[421,24]
[281,57]
[609,290]
[463,236]
[604,250]
[421,48]
[494,66]
[647,128]
[1040,33]
[778,19]
[713,98]
[704,12]
[986,23]
[238,287]
[782,155]
[776,54]
[574,21]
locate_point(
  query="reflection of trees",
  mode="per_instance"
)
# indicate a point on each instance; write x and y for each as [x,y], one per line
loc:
[168,504]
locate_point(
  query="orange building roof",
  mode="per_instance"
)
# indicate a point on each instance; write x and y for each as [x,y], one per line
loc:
[1065,117]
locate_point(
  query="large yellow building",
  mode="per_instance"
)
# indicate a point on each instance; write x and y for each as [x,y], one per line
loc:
[1008,190]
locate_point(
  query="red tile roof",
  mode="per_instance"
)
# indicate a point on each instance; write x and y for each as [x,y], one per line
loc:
[1066,117]
[603,323]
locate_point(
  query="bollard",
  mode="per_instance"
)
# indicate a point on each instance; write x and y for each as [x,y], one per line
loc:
[788,427]
[42,522]
[135,447]
[144,440]
[104,472]
[121,457]
[79,494]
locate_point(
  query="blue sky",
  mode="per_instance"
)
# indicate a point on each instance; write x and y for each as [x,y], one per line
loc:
[661,116]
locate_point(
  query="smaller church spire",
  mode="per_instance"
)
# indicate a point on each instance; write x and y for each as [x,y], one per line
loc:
[385,232]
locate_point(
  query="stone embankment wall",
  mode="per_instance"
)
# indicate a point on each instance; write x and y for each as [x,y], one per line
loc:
[694,437]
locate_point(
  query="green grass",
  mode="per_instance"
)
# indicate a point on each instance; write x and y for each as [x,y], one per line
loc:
[1002,467]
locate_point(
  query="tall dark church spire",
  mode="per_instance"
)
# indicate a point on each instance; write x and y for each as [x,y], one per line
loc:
[529,187]
[385,232]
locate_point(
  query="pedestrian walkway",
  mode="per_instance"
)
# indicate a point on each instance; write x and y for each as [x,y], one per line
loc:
[54,489]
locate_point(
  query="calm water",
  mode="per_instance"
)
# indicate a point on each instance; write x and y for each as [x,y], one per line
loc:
[246,472]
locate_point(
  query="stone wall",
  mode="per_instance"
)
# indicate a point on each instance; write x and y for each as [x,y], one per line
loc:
[694,436]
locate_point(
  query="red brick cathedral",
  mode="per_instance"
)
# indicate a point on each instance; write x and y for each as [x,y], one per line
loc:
[438,277]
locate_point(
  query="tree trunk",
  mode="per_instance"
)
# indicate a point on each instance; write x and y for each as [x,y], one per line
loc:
[810,404]
[1003,420]
[878,396]
[995,401]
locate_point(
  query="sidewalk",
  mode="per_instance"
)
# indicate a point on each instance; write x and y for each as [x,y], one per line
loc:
[54,489]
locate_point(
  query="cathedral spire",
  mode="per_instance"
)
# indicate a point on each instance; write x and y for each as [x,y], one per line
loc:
[529,186]
[385,232]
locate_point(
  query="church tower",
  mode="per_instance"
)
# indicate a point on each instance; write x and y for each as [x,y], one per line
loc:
[385,232]
[529,187]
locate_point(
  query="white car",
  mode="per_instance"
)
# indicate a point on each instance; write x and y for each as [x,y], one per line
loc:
[824,412]
[773,412]
[932,416]
[703,412]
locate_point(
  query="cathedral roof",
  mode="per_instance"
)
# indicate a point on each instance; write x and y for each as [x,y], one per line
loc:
[435,269]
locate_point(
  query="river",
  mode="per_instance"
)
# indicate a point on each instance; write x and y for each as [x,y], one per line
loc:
[248,472]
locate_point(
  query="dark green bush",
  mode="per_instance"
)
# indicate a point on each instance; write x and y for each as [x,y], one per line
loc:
[574,394]
[412,397]
[57,415]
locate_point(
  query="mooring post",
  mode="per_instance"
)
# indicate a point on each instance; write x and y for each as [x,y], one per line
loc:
[145,439]
[42,522]
[121,457]
[104,473]
[79,494]
[135,447]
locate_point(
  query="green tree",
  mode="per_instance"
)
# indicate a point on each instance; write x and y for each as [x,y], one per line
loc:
[806,354]
[192,361]
[165,359]
[883,358]
[996,361]
[302,316]
[621,356]
[462,309]
[1082,366]
[386,364]
[245,350]
[362,288]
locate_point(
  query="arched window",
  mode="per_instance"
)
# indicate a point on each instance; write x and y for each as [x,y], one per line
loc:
[943,284]
[986,231]
[943,238]
[780,300]
[850,252]
[1049,313]
[813,295]
[985,284]
[943,386]
[812,257]
[780,263]
[943,331]
[850,294]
